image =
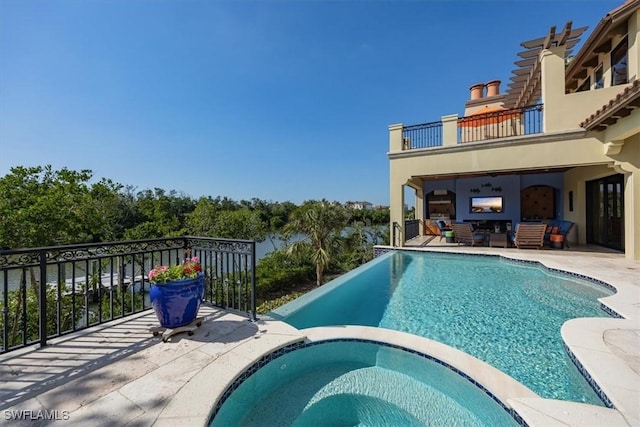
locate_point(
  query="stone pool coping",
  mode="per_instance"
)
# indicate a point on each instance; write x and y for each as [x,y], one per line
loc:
[533,409]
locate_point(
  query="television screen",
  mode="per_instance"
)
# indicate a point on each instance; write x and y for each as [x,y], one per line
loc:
[486,204]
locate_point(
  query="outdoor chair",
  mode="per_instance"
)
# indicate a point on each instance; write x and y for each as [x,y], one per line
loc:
[530,236]
[443,227]
[558,227]
[465,234]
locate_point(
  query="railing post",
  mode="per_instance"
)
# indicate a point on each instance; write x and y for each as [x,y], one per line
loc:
[253,280]
[449,130]
[395,138]
[42,298]
[186,250]
[393,234]
[5,312]
[397,236]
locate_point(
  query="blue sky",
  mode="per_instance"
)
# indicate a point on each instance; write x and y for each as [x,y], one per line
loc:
[279,100]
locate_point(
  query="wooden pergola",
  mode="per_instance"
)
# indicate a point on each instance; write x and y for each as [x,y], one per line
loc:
[524,88]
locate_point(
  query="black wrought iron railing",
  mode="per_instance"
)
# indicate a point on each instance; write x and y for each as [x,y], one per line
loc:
[52,291]
[500,124]
[411,229]
[396,234]
[422,136]
[402,234]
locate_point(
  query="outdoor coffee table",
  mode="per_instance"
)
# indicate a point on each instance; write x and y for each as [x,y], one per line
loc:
[498,239]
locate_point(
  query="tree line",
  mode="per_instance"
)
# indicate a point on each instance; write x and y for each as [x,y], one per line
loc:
[40,206]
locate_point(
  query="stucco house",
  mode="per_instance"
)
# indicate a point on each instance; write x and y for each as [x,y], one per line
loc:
[364,205]
[562,142]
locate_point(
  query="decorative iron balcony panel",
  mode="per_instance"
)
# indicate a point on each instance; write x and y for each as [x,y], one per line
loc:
[411,229]
[52,291]
[500,123]
[422,136]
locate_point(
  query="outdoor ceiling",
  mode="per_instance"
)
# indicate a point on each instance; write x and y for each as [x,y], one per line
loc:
[524,88]
[491,174]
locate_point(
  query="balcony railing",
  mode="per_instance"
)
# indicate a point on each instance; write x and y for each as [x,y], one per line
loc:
[53,291]
[411,229]
[477,127]
[500,124]
[422,136]
[401,234]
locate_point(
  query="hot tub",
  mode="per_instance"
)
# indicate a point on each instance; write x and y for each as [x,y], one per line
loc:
[356,382]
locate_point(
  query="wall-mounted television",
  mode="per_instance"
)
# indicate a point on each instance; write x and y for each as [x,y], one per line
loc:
[492,204]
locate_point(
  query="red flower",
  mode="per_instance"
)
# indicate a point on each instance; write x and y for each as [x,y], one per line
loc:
[197,267]
[187,270]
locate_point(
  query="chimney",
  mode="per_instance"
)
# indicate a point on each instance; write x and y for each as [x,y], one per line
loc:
[493,88]
[476,91]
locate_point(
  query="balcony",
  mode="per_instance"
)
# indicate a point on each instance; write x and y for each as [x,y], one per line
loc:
[50,292]
[487,125]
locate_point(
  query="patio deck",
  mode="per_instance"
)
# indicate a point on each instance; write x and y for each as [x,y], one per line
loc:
[119,374]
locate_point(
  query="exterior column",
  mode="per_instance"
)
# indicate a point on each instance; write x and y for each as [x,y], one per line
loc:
[396,187]
[396,212]
[419,210]
[632,216]
[631,205]
[552,75]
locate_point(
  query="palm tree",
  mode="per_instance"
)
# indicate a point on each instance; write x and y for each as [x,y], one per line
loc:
[321,223]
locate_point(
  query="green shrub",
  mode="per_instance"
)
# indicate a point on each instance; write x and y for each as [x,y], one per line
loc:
[278,272]
[271,305]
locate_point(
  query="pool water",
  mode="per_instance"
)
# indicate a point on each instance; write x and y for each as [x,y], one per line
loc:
[505,313]
[358,383]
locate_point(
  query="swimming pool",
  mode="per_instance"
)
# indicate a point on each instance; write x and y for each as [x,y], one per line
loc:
[353,382]
[508,314]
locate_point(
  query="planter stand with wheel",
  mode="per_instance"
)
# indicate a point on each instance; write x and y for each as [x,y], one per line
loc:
[169,332]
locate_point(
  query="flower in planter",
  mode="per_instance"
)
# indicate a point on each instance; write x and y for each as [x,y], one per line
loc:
[162,274]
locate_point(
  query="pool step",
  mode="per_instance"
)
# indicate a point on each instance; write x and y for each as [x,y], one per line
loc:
[375,396]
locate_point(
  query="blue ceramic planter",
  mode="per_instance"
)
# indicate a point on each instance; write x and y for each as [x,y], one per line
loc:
[176,303]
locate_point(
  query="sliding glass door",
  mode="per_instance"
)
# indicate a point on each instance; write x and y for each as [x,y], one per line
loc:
[605,212]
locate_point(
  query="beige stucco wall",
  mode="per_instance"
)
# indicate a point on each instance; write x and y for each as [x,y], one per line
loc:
[566,111]
[634,46]
[502,155]
[628,163]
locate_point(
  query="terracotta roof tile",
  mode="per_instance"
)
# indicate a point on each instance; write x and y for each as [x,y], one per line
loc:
[620,100]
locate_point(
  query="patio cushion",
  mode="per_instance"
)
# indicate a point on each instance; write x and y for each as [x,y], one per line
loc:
[557,226]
